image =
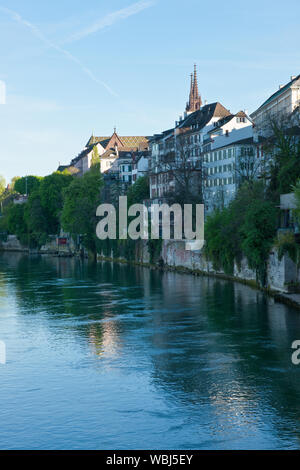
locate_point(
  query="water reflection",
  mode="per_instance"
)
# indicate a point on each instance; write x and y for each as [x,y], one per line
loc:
[217,354]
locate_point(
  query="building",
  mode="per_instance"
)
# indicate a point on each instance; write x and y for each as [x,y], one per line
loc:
[282,103]
[108,149]
[182,146]
[227,164]
[140,165]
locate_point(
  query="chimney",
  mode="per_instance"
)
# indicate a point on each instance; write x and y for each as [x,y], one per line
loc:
[293,77]
[281,86]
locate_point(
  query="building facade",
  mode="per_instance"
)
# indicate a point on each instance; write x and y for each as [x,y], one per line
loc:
[284,102]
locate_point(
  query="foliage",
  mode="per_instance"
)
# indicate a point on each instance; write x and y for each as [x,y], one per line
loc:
[2,184]
[27,184]
[51,192]
[95,156]
[285,244]
[13,182]
[258,231]
[296,190]
[14,222]
[138,191]
[81,199]
[154,247]
[245,228]
[283,149]
[36,221]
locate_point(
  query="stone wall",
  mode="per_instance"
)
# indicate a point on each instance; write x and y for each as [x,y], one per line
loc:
[282,274]
[12,244]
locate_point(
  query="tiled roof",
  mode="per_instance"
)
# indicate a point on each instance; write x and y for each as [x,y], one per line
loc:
[127,141]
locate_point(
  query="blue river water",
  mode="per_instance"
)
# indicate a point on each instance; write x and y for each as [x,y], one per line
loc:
[110,356]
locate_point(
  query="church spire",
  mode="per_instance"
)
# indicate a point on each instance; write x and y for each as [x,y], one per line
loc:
[195,101]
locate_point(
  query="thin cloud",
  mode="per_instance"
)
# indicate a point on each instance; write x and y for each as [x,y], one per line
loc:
[111,19]
[18,19]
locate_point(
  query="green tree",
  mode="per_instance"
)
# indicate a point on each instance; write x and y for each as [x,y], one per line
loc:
[139,191]
[27,184]
[2,184]
[36,221]
[95,156]
[51,192]
[247,227]
[15,222]
[81,199]
[258,231]
[13,182]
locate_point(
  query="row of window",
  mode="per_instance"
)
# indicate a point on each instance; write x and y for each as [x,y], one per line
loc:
[126,168]
[219,155]
[218,182]
[219,169]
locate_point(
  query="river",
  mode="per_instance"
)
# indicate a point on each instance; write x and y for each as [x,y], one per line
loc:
[111,356]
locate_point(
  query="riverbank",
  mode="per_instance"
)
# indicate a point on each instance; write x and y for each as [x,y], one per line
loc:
[282,273]
[293,300]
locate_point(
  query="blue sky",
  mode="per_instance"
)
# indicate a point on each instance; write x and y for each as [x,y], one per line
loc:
[72,68]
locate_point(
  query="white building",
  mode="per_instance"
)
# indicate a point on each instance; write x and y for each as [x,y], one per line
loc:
[281,103]
[140,165]
[228,160]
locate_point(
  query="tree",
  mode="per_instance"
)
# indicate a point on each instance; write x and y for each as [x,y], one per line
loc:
[247,167]
[247,227]
[181,172]
[258,231]
[2,184]
[282,150]
[51,192]
[15,222]
[13,182]
[36,221]
[81,199]
[139,191]
[27,184]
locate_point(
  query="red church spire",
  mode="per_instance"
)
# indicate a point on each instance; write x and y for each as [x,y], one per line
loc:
[195,101]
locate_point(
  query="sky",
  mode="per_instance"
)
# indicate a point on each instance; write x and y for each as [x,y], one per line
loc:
[74,68]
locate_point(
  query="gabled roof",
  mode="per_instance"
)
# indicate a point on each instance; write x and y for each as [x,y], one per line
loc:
[124,141]
[227,119]
[279,92]
[202,117]
[82,154]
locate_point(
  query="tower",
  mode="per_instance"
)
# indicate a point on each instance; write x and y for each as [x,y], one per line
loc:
[195,101]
